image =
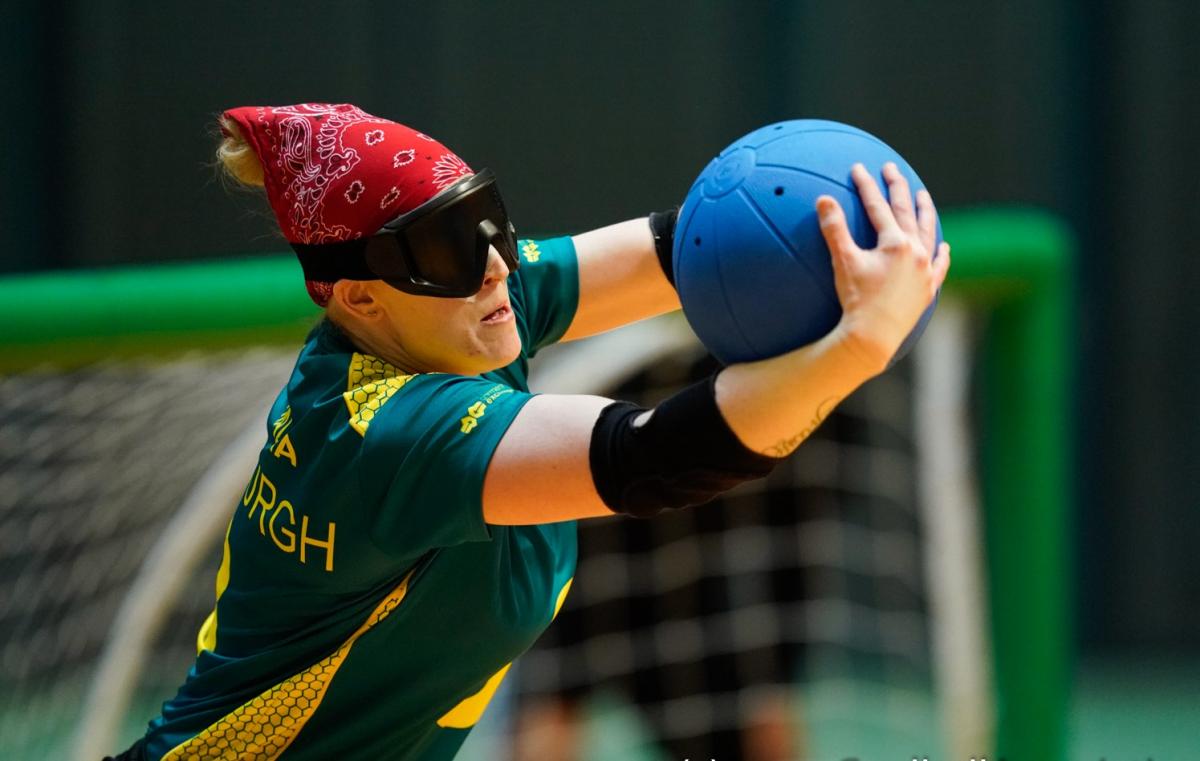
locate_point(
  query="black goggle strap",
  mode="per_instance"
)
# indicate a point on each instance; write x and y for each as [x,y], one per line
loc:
[329,262]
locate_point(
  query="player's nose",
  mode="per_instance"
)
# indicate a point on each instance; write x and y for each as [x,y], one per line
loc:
[497,269]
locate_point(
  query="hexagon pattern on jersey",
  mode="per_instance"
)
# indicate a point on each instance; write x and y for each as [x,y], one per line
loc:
[263,727]
[371,383]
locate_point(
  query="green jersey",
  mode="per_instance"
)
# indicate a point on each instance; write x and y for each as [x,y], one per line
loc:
[364,608]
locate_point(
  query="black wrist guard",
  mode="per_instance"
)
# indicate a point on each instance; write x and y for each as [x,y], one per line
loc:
[685,454]
[662,227]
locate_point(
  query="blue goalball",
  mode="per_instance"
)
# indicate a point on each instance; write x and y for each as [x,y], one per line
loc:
[751,267]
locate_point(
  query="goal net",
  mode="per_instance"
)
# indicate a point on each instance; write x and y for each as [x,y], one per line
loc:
[814,576]
[128,426]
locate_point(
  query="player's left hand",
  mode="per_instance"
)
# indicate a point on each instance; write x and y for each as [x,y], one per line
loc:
[884,290]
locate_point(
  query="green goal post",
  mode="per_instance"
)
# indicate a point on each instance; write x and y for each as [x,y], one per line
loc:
[1012,266]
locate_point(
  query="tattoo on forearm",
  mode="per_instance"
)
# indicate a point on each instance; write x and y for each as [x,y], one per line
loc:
[784,447]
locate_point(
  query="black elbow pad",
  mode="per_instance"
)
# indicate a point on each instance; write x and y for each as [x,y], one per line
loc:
[662,228]
[684,454]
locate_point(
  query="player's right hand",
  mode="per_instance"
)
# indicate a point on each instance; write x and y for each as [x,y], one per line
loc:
[884,291]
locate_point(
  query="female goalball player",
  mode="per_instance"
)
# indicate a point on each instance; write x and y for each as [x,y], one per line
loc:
[408,530]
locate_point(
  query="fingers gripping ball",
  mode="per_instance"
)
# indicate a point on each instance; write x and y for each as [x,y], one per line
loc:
[752,269]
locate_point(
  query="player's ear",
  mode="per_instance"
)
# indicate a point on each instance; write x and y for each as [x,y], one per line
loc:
[357,297]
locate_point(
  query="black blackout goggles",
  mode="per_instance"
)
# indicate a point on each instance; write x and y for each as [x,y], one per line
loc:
[439,248]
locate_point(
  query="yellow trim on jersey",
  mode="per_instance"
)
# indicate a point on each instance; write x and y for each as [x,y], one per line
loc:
[263,727]
[207,638]
[371,383]
[562,597]
[468,713]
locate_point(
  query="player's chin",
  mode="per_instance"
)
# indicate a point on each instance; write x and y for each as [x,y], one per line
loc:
[500,348]
[510,348]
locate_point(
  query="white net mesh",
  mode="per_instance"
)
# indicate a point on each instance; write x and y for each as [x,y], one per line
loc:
[93,463]
[818,569]
[813,576]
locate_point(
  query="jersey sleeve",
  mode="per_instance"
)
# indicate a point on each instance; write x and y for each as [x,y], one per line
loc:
[424,458]
[547,290]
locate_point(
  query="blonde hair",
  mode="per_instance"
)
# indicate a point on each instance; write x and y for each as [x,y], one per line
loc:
[236,156]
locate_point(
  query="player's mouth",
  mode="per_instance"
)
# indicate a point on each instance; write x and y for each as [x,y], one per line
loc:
[503,314]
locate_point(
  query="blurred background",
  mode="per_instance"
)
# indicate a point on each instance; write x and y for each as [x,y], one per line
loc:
[590,113]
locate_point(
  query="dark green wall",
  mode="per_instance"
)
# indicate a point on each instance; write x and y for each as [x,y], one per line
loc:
[593,112]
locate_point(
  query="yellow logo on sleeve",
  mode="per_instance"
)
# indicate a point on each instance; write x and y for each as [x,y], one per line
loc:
[474,412]
[479,408]
[531,251]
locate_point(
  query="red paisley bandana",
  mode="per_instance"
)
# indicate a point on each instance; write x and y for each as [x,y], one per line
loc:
[334,172]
